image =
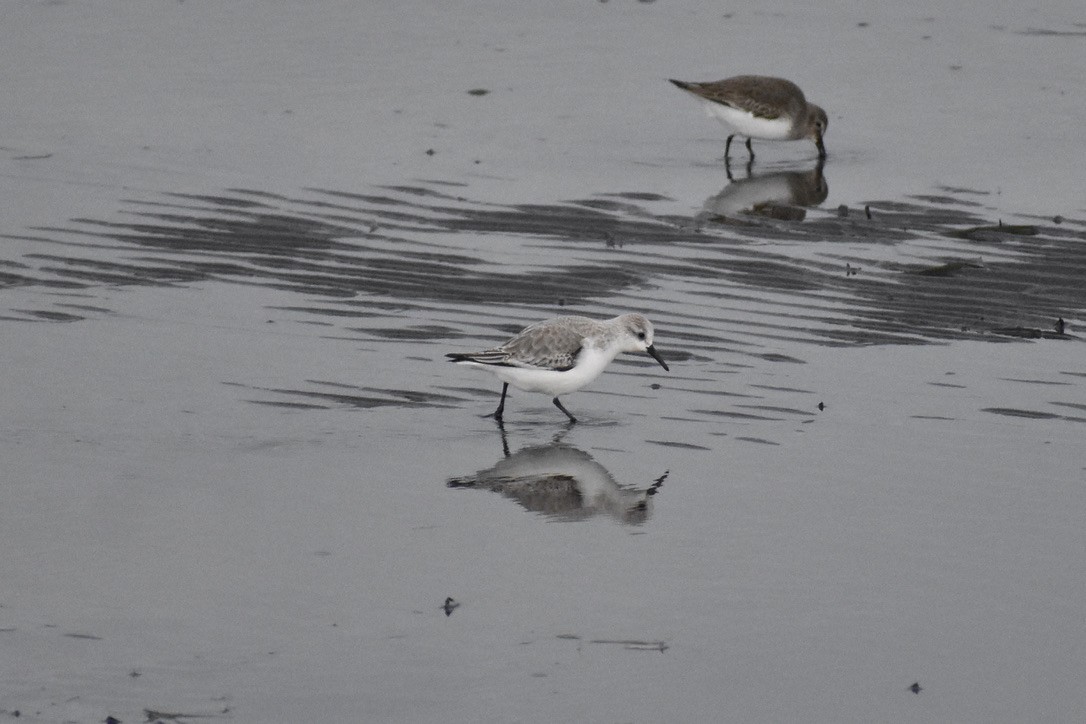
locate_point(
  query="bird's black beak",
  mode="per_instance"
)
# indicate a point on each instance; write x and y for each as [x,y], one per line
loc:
[656,356]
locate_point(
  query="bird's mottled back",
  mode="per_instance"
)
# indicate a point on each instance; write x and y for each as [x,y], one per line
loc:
[552,343]
[763,96]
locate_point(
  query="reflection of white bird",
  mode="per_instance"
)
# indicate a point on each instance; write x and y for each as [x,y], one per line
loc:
[758,106]
[564,482]
[780,195]
[561,355]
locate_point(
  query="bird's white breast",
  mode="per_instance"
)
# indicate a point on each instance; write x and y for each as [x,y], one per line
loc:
[590,364]
[748,124]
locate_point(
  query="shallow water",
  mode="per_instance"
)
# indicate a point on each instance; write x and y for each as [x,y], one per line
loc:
[240,480]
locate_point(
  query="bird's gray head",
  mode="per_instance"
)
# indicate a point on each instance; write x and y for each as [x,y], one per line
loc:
[639,333]
[817,123]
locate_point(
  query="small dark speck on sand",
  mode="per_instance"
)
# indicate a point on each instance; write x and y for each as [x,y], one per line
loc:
[449,606]
[478,92]
[656,385]
[821,406]
[842,211]
[430,152]
[916,688]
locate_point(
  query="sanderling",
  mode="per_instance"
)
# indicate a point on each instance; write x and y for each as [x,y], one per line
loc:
[561,355]
[758,106]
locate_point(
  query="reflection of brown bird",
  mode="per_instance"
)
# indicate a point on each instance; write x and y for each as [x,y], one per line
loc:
[562,481]
[782,195]
[763,107]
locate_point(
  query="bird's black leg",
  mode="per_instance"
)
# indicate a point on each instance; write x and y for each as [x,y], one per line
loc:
[728,146]
[505,440]
[750,149]
[501,405]
[558,404]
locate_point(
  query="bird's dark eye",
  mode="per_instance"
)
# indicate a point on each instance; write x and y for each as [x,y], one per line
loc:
[640,335]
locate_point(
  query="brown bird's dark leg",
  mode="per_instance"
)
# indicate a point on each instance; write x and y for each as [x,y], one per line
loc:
[821,148]
[750,149]
[558,404]
[728,146]
[501,405]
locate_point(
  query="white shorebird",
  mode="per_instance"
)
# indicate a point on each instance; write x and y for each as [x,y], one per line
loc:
[561,355]
[759,106]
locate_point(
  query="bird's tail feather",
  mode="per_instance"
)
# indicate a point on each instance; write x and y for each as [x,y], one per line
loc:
[489,357]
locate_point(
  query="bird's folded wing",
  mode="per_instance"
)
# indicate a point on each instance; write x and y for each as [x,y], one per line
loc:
[553,348]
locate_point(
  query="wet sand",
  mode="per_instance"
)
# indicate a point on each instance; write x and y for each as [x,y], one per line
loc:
[240,482]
